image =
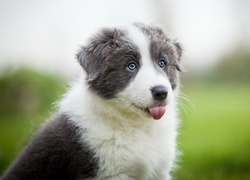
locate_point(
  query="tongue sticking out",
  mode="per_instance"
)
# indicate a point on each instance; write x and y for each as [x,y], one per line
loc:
[157,112]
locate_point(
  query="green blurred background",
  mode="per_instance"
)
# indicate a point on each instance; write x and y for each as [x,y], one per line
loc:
[214,108]
[38,41]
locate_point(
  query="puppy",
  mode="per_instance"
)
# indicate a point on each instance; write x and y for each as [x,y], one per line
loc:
[119,122]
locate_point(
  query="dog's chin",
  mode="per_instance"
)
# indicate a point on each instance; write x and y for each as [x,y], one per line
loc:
[143,110]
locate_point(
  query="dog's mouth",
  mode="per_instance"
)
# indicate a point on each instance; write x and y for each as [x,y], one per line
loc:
[155,111]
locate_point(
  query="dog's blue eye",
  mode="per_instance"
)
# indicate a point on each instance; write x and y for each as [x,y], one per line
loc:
[162,63]
[132,66]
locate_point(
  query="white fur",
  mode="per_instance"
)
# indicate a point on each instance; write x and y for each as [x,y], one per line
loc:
[129,143]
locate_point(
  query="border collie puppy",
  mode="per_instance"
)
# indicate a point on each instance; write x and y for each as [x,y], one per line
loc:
[119,121]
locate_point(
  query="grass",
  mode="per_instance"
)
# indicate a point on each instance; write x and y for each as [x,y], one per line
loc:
[214,135]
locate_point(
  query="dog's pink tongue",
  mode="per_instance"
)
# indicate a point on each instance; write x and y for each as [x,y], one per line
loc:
[157,112]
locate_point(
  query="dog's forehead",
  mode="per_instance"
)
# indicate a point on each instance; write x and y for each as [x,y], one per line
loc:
[151,40]
[137,37]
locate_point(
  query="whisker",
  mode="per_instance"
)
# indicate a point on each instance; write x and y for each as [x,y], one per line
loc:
[183,106]
[187,99]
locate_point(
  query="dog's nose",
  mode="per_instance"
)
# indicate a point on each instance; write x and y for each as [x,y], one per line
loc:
[159,92]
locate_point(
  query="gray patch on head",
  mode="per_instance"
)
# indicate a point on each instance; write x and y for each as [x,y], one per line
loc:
[108,53]
[161,46]
[105,59]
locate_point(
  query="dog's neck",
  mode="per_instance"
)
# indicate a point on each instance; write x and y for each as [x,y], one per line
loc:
[114,113]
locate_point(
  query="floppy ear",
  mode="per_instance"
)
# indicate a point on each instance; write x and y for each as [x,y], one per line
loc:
[179,51]
[93,56]
[91,63]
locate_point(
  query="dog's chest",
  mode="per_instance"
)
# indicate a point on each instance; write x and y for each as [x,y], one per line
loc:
[131,154]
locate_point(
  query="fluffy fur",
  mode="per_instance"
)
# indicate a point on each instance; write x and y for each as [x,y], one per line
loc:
[103,128]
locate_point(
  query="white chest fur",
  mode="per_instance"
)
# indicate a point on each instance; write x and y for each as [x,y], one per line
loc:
[145,153]
[139,152]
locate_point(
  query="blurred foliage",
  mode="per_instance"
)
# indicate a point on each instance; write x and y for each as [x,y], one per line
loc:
[214,136]
[27,92]
[26,98]
[233,67]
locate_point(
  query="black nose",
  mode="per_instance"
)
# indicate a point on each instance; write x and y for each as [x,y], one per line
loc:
[159,92]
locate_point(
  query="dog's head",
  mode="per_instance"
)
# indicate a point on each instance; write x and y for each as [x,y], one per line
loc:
[137,65]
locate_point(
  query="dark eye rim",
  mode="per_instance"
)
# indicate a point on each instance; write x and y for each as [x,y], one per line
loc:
[132,70]
[164,61]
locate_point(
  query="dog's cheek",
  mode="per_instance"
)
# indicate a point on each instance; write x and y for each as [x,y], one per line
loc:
[138,91]
[134,94]
[110,82]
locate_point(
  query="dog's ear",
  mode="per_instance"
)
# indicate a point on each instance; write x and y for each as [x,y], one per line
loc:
[93,56]
[179,51]
[91,64]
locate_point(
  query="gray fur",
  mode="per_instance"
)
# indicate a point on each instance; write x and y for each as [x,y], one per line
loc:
[105,59]
[108,53]
[55,152]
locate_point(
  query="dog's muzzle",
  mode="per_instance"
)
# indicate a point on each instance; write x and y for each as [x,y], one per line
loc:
[159,93]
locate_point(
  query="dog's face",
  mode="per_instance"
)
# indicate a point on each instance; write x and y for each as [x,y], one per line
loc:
[137,66]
